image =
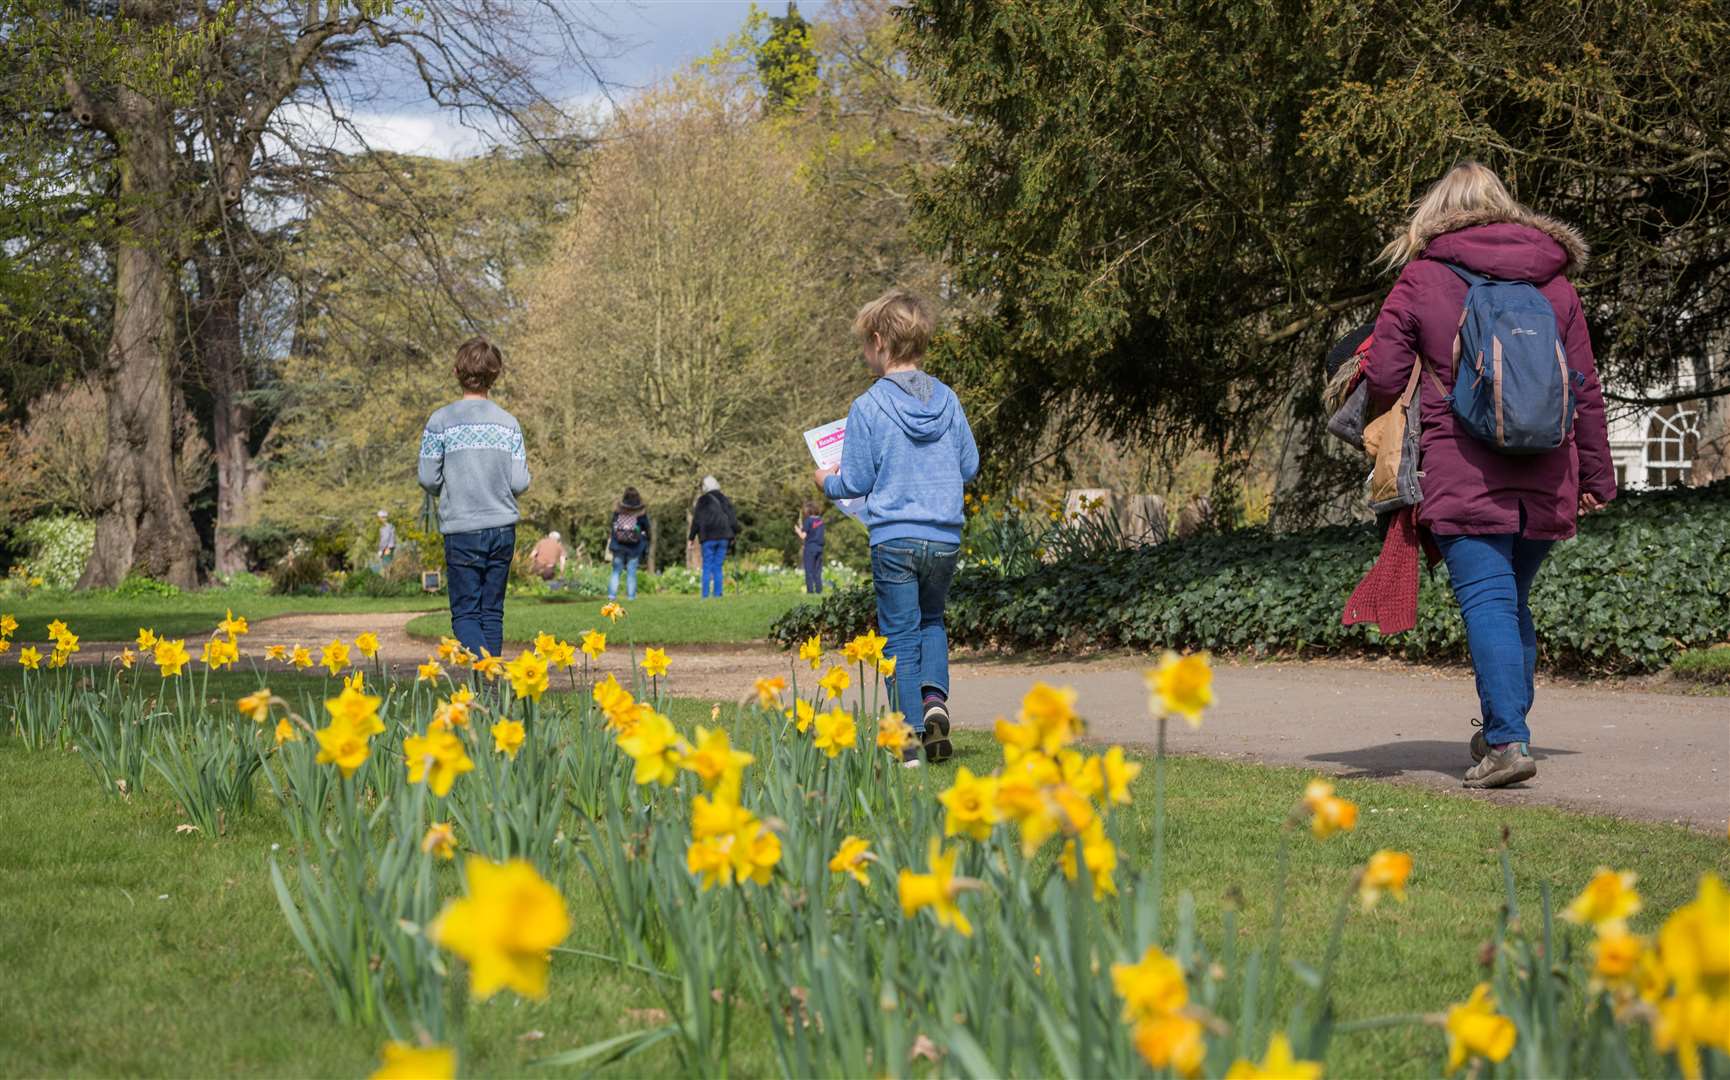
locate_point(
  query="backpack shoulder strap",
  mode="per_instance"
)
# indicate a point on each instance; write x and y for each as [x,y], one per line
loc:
[1465,275]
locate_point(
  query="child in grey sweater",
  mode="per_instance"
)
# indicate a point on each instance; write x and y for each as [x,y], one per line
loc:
[472,460]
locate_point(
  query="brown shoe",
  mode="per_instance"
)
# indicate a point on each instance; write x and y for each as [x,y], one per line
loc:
[1511,764]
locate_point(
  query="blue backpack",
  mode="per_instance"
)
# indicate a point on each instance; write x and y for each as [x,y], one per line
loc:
[1512,386]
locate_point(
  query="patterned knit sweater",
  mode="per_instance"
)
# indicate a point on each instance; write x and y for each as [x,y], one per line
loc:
[472,459]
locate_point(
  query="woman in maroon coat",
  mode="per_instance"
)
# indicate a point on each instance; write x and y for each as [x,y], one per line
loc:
[1493,515]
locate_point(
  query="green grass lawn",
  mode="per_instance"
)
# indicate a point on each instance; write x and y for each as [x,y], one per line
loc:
[106,617]
[658,620]
[132,950]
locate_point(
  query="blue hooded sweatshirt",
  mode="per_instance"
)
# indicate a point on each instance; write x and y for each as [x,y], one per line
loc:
[907,452]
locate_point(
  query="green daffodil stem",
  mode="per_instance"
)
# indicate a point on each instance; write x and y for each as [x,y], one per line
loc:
[1338,932]
[1278,912]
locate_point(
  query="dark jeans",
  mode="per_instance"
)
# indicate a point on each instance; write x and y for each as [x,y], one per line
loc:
[477,565]
[1492,580]
[911,579]
[714,560]
[813,568]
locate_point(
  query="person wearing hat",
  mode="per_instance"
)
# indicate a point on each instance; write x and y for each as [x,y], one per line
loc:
[386,540]
[547,557]
[628,537]
[714,523]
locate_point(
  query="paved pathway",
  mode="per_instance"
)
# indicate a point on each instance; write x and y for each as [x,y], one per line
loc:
[1630,752]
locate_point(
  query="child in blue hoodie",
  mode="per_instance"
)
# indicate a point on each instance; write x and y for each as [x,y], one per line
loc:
[907,453]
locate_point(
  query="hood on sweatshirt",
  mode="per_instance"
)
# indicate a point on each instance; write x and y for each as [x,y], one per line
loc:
[1524,247]
[920,405]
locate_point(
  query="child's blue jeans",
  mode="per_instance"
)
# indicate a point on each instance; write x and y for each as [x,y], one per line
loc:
[714,561]
[628,564]
[1492,579]
[477,566]
[911,579]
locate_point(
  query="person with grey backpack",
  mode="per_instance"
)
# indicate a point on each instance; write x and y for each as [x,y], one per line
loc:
[1512,441]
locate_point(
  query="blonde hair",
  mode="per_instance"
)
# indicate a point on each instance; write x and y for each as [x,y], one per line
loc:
[1468,188]
[902,320]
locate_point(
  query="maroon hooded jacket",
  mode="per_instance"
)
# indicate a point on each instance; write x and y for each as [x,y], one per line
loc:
[1469,487]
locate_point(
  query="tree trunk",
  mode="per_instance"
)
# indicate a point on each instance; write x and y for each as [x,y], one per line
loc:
[239,481]
[143,523]
[1712,454]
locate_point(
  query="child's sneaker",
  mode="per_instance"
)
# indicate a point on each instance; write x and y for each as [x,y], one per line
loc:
[1508,764]
[1480,746]
[938,748]
[911,757]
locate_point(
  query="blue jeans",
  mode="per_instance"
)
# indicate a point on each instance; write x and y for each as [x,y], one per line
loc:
[477,565]
[1492,580]
[813,558]
[714,557]
[911,579]
[628,564]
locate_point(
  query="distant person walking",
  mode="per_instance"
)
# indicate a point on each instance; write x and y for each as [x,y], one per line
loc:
[473,461]
[811,529]
[714,524]
[547,557]
[386,541]
[628,537]
[1494,510]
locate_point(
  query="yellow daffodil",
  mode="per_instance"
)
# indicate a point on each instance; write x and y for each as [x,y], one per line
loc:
[970,805]
[936,890]
[1387,871]
[255,705]
[126,658]
[405,1061]
[886,667]
[1475,1029]
[594,644]
[233,625]
[756,852]
[1608,899]
[850,859]
[58,658]
[612,611]
[769,691]
[1180,686]
[219,653]
[334,656]
[1047,719]
[436,757]
[429,671]
[528,675]
[301,657]
[286,732]
[488,666]
[449,648]
[342,745]
[1616,956]
[366,644]
[276,652]
[1150,986]
[57,630]
[654,745]
[1084,773]
[1327,813]
[874,644]
[1171,1041]
[453,713]
[855,651]
[1119,774]
[1099,853]
[811,651]
[710,859]
[171,657]
[440,840]
[836,732]
[803,715]
[504,928]
[29,657]
[9,626]
[357,710]
[508,736]
[66,642]
[835,681]
[893,733]
[1694,942]
[545,642]
[654,663]
[716,763]
[1279,1064]
[146,640]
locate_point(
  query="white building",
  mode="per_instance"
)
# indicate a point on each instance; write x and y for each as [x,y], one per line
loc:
[1654,447]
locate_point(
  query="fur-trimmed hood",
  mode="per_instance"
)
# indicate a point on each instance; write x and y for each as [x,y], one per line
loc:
[1573,245]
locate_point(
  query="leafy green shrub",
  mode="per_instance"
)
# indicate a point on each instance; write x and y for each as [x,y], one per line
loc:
[369,582]
[58,548]
[245,583]
[137,586]
[1704,665]
[299,572]
[1647,578]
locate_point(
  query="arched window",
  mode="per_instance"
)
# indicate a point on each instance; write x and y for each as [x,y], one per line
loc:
[1672,438]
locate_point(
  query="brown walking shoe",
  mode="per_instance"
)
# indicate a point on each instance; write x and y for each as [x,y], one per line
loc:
[1511,764]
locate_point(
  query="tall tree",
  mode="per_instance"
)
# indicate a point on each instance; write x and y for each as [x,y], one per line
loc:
[190,95]
[1171,209]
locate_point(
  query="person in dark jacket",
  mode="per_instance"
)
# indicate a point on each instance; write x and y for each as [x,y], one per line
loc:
[1493,515]
[628,538]
[811,530]
[714,523]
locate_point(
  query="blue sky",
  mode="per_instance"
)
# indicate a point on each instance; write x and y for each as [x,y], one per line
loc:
[653,39]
